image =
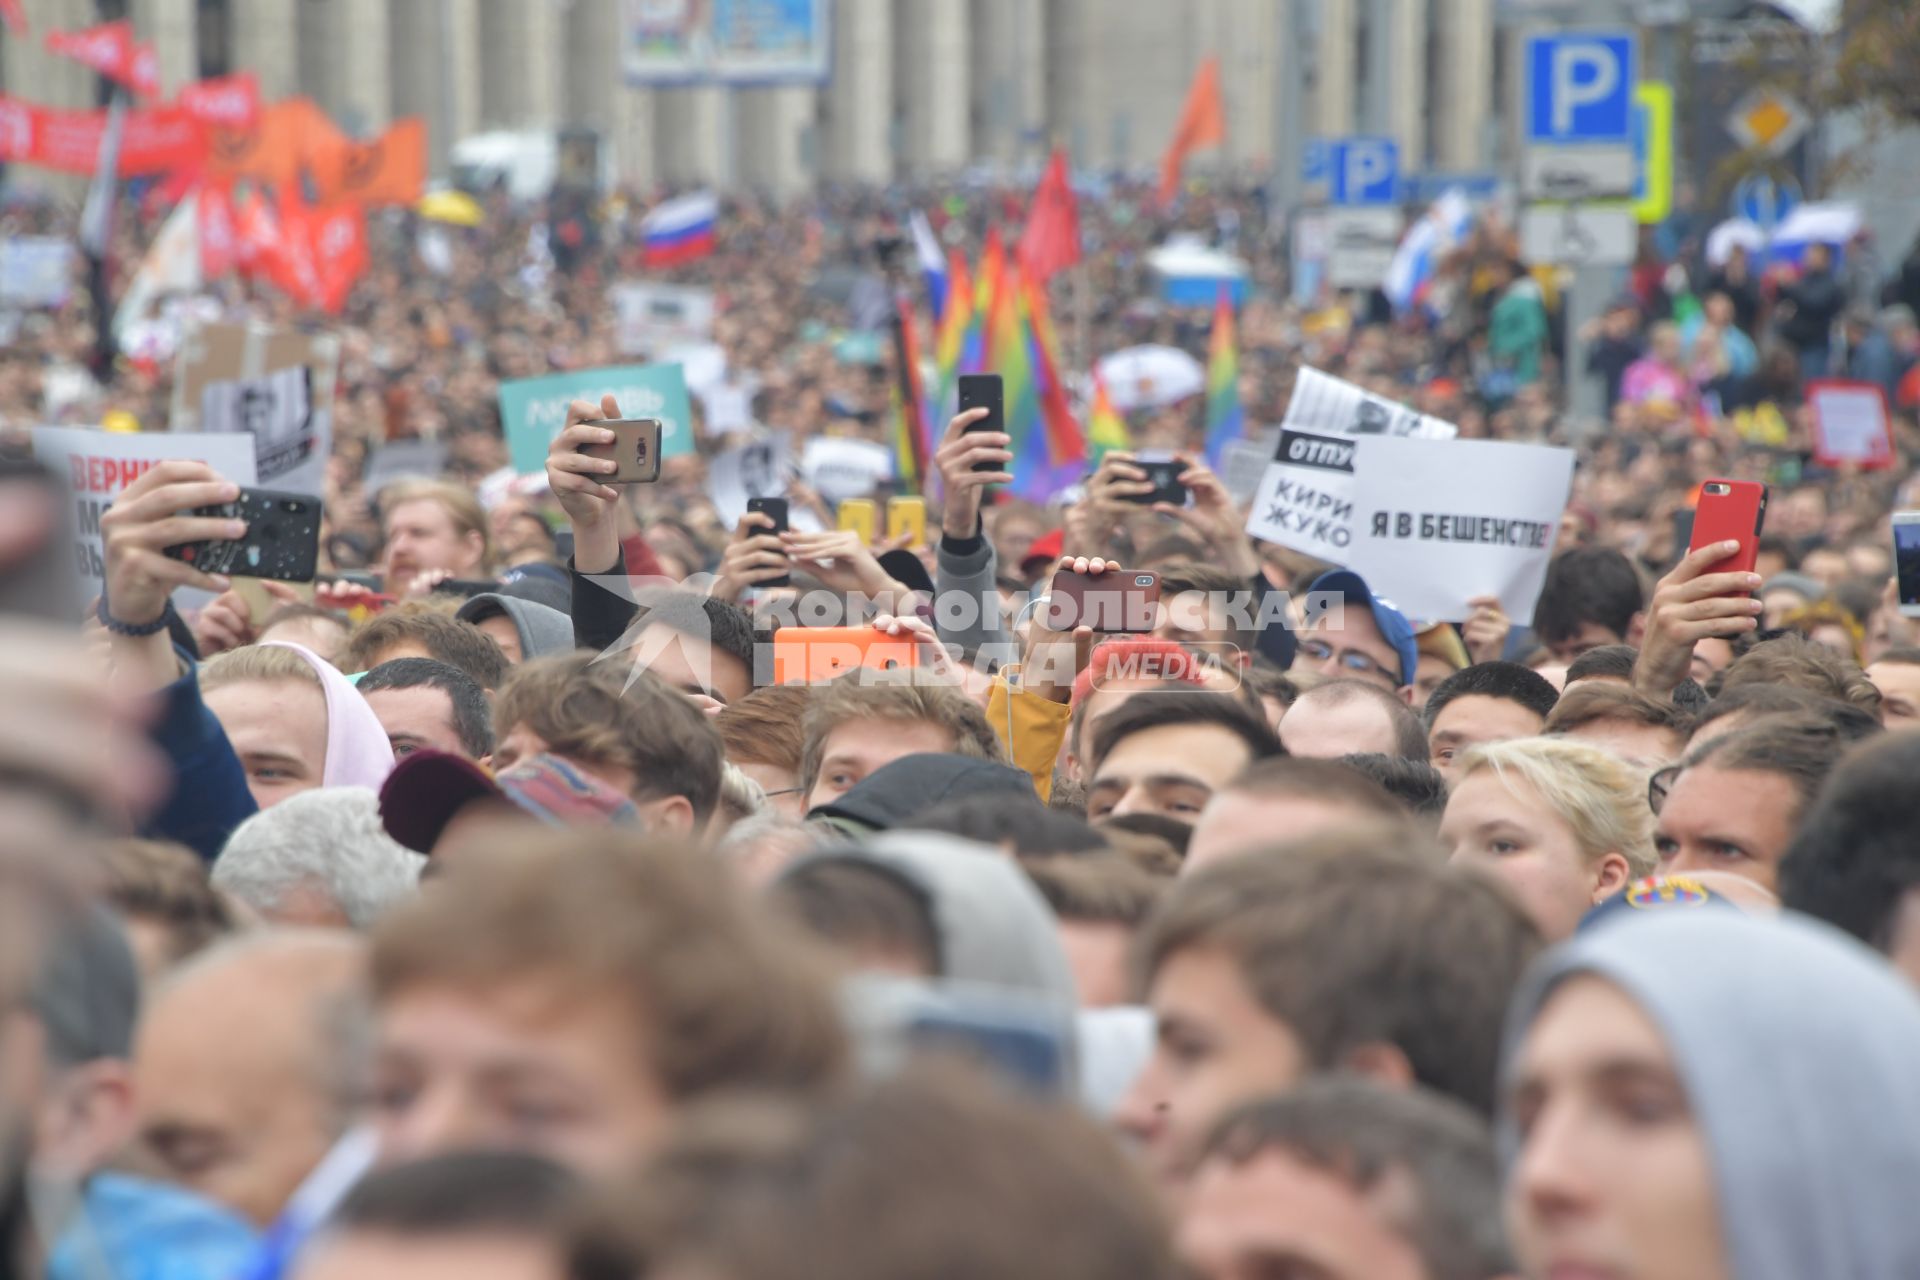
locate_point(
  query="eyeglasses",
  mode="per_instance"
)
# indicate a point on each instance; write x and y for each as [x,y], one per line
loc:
[1352,659]
[1659,785]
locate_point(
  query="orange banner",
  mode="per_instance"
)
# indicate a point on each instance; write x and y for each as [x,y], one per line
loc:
[293,135]
[389,169]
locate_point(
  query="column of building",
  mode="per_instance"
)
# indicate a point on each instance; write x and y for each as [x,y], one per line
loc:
[931,74]
[856,114]
[1463,89]
[171,26]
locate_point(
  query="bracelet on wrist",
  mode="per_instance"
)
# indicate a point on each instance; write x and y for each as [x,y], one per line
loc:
[135,629]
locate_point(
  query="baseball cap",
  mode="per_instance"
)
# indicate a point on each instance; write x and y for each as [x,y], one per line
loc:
[1393,624]
[1048,547]
[428,788]
[1654,893]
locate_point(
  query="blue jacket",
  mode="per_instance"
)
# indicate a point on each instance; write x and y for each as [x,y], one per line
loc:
[210,796]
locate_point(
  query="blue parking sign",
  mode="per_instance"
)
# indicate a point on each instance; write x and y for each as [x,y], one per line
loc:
[1580,86]
[1313,161]
[1365,171]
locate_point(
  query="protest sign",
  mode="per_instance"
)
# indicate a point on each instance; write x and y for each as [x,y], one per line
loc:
[273,384]
[651,318]
[534,410]
[758,470]
[1305,499]
[1850,424]
[1438,522]
[1243,463]
[36,271]
[837,468]
[94,466]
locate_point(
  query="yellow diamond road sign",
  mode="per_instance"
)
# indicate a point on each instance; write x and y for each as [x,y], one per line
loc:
[1769,120]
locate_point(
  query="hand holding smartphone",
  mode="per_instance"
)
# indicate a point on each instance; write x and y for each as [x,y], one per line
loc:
[774,509]
[1906,561]
[984,391]
[1730,511]
[635,450]
[1120,600]
[282,539]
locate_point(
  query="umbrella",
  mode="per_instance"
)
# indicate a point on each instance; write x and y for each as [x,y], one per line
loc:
[456,207]
[1831,223]
[1734,233]
[1151,376]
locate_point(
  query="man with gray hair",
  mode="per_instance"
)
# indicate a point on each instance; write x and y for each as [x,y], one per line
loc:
[325,862]
[247,1063]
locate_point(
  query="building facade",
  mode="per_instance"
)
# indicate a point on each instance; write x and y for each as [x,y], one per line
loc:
[918,87]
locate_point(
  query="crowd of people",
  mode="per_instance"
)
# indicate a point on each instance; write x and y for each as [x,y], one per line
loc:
[487,908]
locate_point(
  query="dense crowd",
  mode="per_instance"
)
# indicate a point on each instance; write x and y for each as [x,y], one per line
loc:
[488,909]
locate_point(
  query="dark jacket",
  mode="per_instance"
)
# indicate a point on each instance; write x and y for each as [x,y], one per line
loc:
[210,796]
[1817,300]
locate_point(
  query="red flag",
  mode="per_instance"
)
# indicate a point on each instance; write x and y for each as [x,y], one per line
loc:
[339,252]
[15,16]
[219,233]
[110,49]
[1051,239]
[226,102]
[1203,123]
[257,234]
[157,139]
[294,268]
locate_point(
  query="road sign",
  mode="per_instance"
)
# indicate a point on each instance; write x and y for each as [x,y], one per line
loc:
[1769,120]
[1360,246]
[1576,173]
[1653,152]
[1365,171]
[1313,161]
[1579,235]
[1763,201]
[1580,87]
[1425,188]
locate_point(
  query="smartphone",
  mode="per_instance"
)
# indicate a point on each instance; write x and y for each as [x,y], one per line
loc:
[1906,561]
[1165,476]
[983,391]
[1730,511]
[857,514]
[282,539]
[466,587]
[907,518]
[809,655]
[635,450]
[1121,601]
[775,509]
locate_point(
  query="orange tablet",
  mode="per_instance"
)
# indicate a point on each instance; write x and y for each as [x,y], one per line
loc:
[812,654]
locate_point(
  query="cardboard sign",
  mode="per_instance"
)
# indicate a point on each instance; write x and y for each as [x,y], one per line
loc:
[837,468]
[534,410]
[651,318]
[1305,499]
[269,372]
[1850,424]
[1439,522]
[94,466]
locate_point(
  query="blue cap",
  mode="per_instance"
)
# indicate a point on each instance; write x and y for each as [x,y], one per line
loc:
[1393,624]
[1655,893]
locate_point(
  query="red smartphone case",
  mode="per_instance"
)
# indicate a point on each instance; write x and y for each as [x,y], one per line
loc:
[1122,601]
[1731,511]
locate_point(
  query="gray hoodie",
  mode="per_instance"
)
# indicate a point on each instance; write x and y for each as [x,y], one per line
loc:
[542,630]
[1800,1052]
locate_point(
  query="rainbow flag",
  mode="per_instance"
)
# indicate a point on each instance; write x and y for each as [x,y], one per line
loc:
[977,341]
[1065,444]
[1224,418]
[950,332]
[1010,355]
[1106,429]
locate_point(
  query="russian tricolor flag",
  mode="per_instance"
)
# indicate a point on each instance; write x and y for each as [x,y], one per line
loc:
[680,230]
[1446,223]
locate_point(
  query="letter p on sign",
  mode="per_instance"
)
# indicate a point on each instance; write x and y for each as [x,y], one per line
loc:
[1580,87]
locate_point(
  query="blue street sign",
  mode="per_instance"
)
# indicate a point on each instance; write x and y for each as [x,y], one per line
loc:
[1425,188]
[1365,171]
[1760,199]
[1580,87]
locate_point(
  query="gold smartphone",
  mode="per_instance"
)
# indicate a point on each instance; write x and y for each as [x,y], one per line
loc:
[907,517]
[857,514]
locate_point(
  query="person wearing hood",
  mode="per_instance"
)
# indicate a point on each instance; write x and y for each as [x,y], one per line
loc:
[294,718]
[522,628]
[1704,1095]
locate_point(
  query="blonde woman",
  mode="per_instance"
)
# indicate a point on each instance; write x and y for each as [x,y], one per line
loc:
[1562,824]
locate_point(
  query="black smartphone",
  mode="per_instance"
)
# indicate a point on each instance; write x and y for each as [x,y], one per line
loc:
[775,509]
[635,450]
[282,539]
[983,391]
[1165,476]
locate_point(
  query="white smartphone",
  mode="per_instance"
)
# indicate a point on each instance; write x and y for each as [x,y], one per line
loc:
[1906,561]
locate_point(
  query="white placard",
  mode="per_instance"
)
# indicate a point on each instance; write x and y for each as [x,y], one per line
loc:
[650,318]
[1437,523]
[94,466]
[1850,423]
[758,470]
[36,271]
[276,409]
[837,468]
[1305,499]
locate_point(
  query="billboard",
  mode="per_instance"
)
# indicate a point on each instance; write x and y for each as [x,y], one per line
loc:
[725,41]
